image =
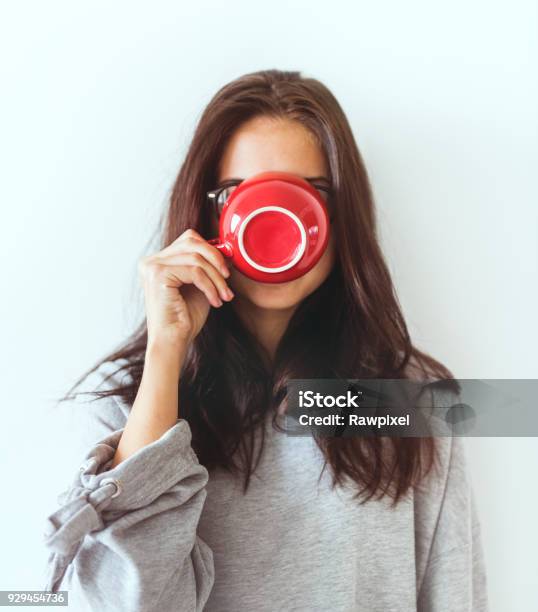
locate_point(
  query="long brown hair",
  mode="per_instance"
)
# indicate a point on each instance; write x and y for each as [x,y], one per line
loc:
[350,327]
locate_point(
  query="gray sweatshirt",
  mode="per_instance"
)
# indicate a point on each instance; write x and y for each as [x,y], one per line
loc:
[157,532]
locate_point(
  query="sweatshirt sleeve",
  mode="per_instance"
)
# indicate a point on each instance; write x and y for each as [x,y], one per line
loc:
[454,576]
[125,538]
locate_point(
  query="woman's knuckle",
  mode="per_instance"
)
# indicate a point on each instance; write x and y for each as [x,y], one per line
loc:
[143,263]
[153,270]
[197,273]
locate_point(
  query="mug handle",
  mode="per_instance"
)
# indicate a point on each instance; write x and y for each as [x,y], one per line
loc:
[223,247]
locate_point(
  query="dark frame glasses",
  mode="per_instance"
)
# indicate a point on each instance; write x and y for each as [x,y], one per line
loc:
[215,199]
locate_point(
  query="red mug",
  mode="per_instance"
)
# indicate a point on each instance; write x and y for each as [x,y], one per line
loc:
[274,227]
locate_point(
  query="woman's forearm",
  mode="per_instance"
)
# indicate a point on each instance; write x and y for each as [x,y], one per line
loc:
[155,409]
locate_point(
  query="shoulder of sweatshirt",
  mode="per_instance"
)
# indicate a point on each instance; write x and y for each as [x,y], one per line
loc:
[446,516]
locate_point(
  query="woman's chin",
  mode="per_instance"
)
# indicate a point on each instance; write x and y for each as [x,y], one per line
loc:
[270,296]
[282,296]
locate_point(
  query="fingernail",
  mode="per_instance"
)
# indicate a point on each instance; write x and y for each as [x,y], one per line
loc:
[229,293]
[225,271]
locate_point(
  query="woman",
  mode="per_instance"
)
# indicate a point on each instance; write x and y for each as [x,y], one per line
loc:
[190,496]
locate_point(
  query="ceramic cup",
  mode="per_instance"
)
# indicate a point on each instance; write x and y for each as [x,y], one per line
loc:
[274,227]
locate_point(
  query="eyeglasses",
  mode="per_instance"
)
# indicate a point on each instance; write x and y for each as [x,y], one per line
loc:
[217,198]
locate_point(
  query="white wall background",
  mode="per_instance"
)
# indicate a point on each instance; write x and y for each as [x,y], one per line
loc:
[99,100]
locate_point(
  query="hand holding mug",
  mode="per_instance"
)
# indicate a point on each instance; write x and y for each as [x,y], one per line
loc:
[180,283]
